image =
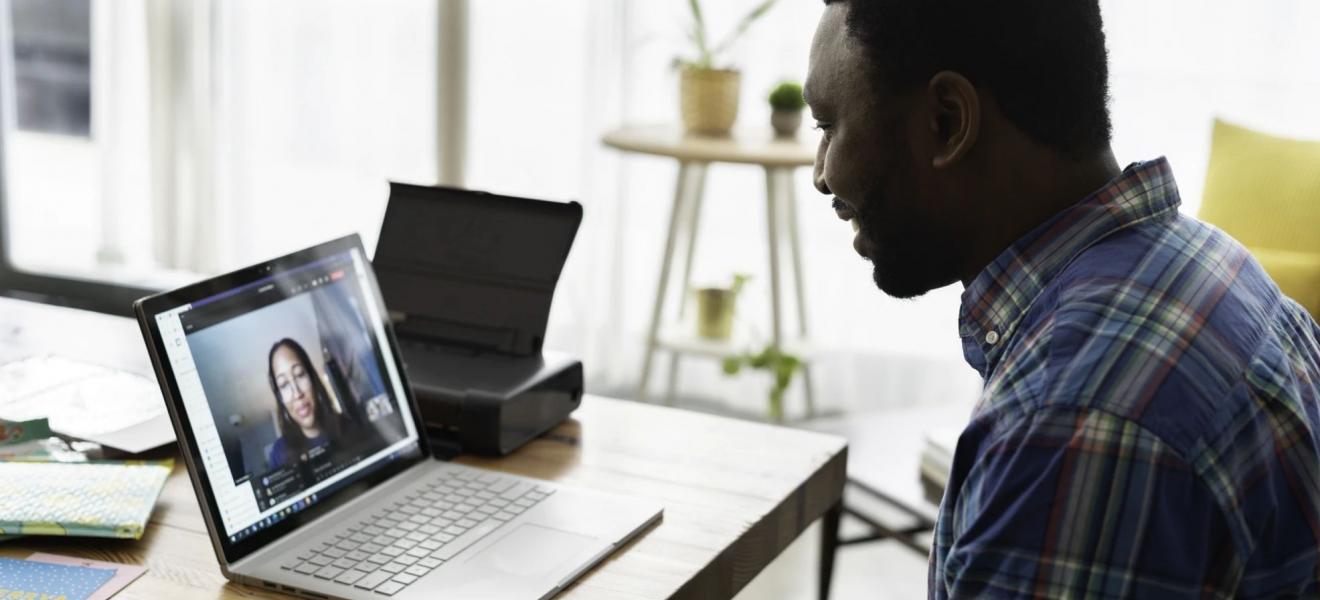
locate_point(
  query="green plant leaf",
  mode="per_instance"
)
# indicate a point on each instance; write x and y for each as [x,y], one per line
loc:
[783,376]
[781,365]
[704,55]
[776,408]
[742,27]
[739,279]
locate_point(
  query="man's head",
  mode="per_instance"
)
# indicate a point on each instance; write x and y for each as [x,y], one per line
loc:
[932,112]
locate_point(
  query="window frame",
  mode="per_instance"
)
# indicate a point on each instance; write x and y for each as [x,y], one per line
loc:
[100,296]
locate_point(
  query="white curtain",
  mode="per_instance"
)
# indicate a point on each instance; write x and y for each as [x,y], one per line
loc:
[275,125]
[319,105]
[224,133]
[549,79]
[590,65]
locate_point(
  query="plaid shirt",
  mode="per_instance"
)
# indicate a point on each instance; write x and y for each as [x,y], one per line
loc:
[1149,426]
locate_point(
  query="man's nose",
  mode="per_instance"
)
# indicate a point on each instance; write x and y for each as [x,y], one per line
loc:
[818,178]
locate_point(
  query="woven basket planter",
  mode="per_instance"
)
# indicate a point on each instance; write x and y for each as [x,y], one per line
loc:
[709,100]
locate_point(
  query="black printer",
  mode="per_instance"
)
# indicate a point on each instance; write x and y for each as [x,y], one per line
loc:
[468,278]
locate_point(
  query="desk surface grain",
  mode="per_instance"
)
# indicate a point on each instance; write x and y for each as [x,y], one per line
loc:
[735,493]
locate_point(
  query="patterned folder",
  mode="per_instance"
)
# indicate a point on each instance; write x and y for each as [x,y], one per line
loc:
[25,579]
[102,499]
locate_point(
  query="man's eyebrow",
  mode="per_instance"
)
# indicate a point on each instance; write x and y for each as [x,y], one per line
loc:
[806,91]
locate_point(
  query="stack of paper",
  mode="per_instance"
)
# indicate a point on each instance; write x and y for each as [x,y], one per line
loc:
[79,499]
[937,461]
[85,401]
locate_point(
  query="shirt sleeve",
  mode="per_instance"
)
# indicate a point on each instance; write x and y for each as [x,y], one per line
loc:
[1077,503]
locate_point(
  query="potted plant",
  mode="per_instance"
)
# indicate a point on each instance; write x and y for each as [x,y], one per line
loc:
[780,364]
[716,307]
[708,91]
[786,106]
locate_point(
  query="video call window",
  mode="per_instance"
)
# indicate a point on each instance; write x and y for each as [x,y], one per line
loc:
[296,387]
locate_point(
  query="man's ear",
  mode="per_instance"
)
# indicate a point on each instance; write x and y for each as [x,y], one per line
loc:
[956,121]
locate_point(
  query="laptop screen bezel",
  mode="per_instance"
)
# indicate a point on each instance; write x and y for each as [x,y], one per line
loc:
[146,310]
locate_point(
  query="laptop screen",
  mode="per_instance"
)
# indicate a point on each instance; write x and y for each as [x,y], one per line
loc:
[290,388]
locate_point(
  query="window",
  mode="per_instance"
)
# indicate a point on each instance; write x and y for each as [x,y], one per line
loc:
[146,144]
[52,66]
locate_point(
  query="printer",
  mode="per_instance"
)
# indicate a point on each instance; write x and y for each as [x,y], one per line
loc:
[468,278]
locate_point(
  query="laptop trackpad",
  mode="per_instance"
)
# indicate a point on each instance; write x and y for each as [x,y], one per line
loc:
[533,551]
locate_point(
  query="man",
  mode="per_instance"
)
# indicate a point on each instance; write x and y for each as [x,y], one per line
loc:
[1149,425]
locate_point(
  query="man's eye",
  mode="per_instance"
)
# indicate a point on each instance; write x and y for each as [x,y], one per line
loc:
[823,126]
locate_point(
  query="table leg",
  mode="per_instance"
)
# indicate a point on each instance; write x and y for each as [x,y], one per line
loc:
[772,228]
[799,283]
[693,207]
[675,222]
[795,248]
[672,382]
[829,546]
[696,194]
[772,200]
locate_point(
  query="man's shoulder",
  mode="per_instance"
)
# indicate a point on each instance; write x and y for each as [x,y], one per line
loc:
[1178,292]
[1161,316]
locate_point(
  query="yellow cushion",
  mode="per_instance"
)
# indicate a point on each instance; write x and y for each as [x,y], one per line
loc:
[1265,191]
[1297,273]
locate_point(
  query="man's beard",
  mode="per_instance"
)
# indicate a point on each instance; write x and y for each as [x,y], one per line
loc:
[906,251]
[890,268]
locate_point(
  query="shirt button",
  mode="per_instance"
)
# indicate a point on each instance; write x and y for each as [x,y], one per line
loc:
[992,337]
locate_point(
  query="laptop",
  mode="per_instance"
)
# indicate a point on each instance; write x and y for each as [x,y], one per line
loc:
[310,461]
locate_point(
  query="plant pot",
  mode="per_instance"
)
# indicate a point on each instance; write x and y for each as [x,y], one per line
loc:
[708,100]
[715,308]
[786,122]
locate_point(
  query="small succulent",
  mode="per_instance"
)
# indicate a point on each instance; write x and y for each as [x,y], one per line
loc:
[787,96]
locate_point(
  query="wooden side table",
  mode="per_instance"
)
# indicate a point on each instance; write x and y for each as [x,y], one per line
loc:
[780,158]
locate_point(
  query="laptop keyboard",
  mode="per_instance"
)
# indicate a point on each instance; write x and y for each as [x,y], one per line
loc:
[420,531]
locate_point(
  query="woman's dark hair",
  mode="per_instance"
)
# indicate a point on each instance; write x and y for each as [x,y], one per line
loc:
[331,422]
[1044,60]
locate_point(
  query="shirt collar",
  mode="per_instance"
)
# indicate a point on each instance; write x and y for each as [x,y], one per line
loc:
[1000,295]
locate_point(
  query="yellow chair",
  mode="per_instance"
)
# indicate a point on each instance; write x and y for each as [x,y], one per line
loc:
[1265,192]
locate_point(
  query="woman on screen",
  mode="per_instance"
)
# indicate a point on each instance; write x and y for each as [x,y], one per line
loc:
[308,424]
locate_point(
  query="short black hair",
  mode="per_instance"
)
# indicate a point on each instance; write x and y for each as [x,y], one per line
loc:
[1043,60]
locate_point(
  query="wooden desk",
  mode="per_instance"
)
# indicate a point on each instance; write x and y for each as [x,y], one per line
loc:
[735,493]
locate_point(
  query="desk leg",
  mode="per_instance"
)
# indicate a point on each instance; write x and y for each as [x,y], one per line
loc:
[829,546]
[675,222]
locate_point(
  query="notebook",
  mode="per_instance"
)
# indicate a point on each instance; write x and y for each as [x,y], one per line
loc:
[122,574]
[32,579]
[103,499]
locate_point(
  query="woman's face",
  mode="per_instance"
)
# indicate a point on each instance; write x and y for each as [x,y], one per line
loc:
[294,380]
